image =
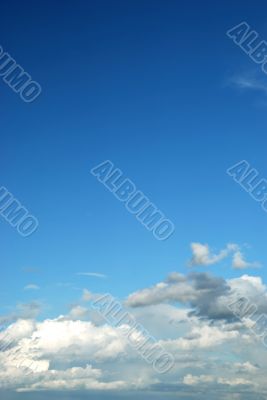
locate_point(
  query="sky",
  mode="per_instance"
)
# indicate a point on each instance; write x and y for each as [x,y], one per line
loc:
[159,90]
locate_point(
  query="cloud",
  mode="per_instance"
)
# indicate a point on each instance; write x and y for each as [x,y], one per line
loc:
[87,295]
[204,379]
[200,290]
[27,310]
[94,274]
[248,82]
[201,336]
[31,286]
[206,296]
[78,312]
[22,311]
[239,262]
[246,367]
[214,353]
[75,378]
[45,347]
[202,254]
[251,288]
[62,354]
[193,380]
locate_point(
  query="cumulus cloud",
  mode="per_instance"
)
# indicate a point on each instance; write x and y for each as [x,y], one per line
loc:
[214,352]
[202,255]
[202,336]
[206,296]
[201,291]
[239,262]
[64,354]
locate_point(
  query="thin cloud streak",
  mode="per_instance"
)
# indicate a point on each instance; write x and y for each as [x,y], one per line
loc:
[94,274]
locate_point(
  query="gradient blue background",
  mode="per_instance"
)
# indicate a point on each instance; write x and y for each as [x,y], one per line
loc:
[144,84]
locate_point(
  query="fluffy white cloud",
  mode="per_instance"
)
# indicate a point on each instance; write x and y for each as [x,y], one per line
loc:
[186,314]
[37,347]
[202,337]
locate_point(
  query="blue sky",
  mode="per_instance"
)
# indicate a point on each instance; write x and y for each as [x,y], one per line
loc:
[153,87]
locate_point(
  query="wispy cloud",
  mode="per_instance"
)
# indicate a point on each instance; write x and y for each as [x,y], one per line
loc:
[31,286]
[94,274]
[248,82]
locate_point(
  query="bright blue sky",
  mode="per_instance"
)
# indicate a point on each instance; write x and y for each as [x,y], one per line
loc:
[144,84]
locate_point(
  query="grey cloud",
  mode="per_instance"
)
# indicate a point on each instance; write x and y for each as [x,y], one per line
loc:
[207,296]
